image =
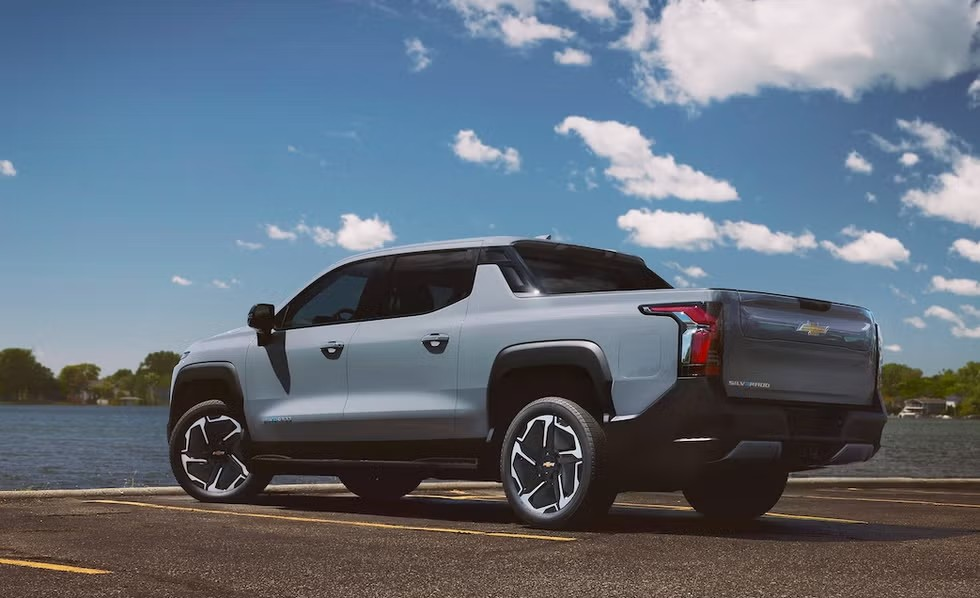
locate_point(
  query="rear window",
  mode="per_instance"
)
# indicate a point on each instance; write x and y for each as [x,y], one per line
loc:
[559,268]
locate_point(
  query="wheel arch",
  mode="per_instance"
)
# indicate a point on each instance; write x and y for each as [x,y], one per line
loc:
[583,356]
[199,382]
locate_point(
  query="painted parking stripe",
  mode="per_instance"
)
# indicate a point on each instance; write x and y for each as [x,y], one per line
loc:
[901,501]
[367,524]
[636,505]
[53,567]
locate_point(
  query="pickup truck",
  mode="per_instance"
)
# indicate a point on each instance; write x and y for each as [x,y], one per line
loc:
[567,373]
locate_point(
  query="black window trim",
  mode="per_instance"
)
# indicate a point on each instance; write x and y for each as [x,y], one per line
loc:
[388,265]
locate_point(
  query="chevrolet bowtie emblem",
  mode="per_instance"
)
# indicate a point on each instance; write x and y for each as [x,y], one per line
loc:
[812,329]
[548,464]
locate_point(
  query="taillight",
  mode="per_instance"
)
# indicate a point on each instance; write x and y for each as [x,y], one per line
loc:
[700,323]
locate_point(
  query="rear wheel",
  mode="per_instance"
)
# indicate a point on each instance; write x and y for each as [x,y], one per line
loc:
[736,493]
[375,485]
[553,465]
[208,455]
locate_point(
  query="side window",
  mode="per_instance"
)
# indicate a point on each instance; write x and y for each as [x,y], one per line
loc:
[343,295]
[512,274]
[425,282]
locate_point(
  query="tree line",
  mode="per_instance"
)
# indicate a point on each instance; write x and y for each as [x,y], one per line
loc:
[900,382]
[24,379]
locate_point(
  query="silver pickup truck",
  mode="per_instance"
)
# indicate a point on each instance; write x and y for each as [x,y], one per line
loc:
[565,372]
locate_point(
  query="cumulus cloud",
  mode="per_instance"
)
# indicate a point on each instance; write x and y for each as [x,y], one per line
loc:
[7,168]
[952,195]
[695,231]
[682,283]
[600,10]
[871,197]
[973,92]
[855,162]
[700,51]
[908,159]
[663,230]
[419,56]
[469,148]
[967,248]
[935,311]
[248,245]
[915,322]
[689,271]
[758,237]
[958,286]
[519,31]
[970,310]
[869,247]
[960,328]
[893,348]
[278,234]
[573,57]
[511,21]
[181,281]
[220,284]
[357,234]
[638,170]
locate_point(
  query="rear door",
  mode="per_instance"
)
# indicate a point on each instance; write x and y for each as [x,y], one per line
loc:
[297,383]
[403,367]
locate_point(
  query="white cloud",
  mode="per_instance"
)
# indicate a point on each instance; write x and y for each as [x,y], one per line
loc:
[871,197]
[893,348]
[418,54]
[758,237]
[639,171]
[855,162]
[220,284]
[688,271]
[7,168]
[958,286]
[970,310]
[277,234]
[932,138]
[915,322]
[358,234]
[573,57]
[935,311]
[701,51]
[600,10]
[248,245]
[973,92]
[869,247]
[181,281]
[967,248]
[959,329]
[964,332]
[663,230]
[519,31]
[682,283]
[321,236]
[953,195]
[901,294]
[908,159]
[468,147]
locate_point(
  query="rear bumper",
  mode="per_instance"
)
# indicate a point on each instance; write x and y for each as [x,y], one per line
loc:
[695,425]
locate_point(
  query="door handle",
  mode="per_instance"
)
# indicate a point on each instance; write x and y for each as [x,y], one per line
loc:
[332,350]
[435,342]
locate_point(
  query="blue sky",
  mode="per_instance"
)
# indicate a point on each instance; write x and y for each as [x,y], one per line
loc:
[147,145]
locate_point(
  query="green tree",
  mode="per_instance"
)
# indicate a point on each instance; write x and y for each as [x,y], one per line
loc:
[77,378]
[153,375]
[22,378]
[121,382]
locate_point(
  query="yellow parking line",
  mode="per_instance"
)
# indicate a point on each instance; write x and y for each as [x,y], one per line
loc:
[53,567]
[658,507]
[417,528]
[893,500]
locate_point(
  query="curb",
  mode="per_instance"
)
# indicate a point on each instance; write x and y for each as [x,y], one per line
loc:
[833,482]
[178,491]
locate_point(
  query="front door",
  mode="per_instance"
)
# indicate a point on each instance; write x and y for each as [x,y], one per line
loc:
[298,381]
[402,368]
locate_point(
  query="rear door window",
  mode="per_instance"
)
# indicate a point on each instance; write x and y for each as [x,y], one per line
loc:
[424,282]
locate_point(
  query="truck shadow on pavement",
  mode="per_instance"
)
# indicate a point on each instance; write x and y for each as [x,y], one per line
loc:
[622,520]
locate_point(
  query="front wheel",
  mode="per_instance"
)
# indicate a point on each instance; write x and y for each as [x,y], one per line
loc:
[208,456]
[553,465]
[736,493]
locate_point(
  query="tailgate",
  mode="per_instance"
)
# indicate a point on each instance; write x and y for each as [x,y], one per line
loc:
[783,348]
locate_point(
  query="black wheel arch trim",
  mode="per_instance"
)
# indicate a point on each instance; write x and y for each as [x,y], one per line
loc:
[583,354]
[214,371]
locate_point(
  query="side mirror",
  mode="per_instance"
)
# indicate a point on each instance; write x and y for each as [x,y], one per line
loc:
[262,317]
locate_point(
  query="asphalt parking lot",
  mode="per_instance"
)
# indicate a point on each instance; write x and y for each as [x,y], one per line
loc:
[817,542]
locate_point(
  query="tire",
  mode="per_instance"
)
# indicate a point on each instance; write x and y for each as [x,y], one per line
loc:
[208,448]
[552,465]
[737,493]
[380,486]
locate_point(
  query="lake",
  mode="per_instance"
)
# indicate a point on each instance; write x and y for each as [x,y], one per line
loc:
[48,446]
